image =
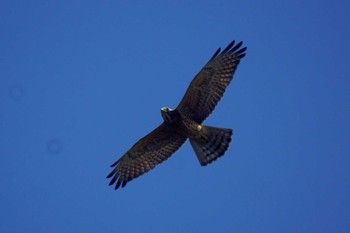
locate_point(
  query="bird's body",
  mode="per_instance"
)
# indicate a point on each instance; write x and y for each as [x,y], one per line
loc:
[185,122]
[198,135]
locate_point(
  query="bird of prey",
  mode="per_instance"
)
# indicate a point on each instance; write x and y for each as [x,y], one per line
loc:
[185,122]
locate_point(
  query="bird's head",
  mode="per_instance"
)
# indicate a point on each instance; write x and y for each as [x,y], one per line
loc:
[168,114]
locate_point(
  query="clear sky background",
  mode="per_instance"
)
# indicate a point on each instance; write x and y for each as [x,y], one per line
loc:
[82,81]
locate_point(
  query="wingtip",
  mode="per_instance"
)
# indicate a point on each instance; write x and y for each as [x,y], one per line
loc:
[111,183]
[115,163]
[215,54]
[241,53]
[228,47]
[237,46]
[231,48]
[110,175]
[118,184]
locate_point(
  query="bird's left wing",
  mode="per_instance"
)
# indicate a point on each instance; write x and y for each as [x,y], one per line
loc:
[209,85]
[147,153]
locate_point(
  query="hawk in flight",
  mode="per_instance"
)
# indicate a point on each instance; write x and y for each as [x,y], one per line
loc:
[185,122]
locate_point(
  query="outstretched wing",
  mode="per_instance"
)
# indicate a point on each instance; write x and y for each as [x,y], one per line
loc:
[209,85]
[147,153]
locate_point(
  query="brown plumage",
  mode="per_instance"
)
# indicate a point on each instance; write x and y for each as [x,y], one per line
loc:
[200,99]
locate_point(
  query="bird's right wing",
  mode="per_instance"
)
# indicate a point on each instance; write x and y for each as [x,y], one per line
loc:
[147,153]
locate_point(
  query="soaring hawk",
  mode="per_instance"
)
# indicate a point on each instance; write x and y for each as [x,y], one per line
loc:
[185,122]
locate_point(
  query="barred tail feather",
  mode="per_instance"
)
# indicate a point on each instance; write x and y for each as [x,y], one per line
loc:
[211,143]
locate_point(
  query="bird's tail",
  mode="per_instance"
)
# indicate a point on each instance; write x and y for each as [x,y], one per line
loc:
[211,143]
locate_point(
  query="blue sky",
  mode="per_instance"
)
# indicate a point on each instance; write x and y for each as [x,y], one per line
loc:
[82,81]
